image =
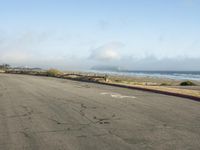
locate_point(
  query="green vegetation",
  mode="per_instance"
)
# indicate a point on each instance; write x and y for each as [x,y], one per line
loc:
[165,84]
[187,83]
[118,80]
[53,72]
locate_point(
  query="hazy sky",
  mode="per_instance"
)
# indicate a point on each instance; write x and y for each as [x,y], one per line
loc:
[79,34]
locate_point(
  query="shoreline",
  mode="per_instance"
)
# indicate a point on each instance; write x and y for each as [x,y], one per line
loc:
[140,80]
[168,75]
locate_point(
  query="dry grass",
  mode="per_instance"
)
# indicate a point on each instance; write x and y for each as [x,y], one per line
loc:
[53,72]
[190,92]
[2,71]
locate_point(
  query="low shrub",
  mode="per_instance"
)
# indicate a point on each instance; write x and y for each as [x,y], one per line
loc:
[165,84]
[187,83]
[117,80]
[53,72]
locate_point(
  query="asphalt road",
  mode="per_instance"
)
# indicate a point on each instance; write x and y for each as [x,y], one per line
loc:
[43,113]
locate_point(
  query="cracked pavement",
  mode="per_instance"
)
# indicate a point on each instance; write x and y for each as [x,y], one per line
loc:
[41,113]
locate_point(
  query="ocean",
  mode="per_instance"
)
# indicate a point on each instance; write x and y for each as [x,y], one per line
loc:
[177,75]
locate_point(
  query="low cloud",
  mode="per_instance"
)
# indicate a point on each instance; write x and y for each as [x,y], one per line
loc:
[107,52]
[43,50]
[23,48]
[153,63]
[15,56]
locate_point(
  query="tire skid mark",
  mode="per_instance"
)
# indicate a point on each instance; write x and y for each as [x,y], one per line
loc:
[117,95]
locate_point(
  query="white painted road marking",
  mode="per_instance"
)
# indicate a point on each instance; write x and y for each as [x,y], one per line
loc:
[117,95]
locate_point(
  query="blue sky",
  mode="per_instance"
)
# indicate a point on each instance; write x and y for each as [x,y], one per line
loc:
[79,34]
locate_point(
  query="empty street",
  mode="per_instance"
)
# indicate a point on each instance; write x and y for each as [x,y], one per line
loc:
[42,113]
